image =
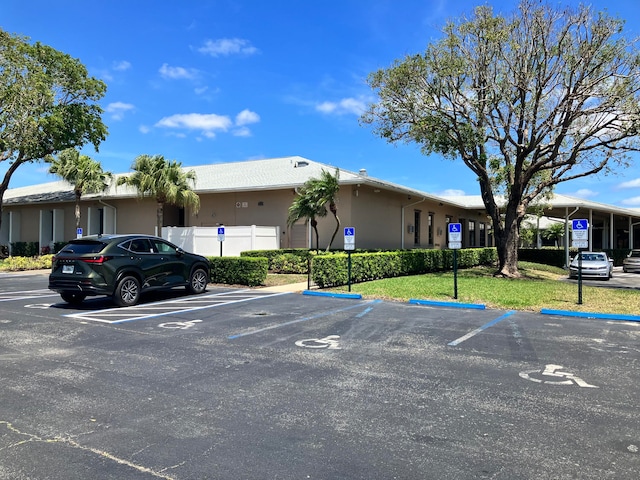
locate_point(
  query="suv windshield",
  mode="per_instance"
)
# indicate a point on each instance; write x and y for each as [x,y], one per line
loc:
[83,246]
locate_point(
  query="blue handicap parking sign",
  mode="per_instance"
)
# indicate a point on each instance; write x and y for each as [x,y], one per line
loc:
[580,224]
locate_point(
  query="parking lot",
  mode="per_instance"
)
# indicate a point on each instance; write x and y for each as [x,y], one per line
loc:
[255,384]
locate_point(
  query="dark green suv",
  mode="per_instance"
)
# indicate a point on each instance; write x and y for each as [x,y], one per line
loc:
[123,266]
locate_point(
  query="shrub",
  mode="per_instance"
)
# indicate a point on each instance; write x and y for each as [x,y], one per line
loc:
[332,270]
[288,263]
[239,270]
[15,264]
[25,249]
[294,258]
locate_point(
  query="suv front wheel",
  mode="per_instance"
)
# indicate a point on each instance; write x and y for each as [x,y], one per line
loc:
[127,292]
[198,281]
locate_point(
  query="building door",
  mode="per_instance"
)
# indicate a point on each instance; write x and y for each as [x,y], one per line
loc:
[416,231]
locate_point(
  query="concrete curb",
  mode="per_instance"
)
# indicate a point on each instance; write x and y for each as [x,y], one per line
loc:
[600,316]
[436,303]
[331,294]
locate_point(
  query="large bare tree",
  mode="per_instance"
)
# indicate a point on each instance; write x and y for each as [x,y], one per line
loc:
[527,101]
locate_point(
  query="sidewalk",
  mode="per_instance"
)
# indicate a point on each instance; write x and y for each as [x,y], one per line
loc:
[292,287]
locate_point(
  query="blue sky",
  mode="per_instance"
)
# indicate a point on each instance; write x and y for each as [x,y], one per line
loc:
[219,81]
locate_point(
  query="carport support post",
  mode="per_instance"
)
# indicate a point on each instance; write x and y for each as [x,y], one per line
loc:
[579,277]
[349,269]
[455,274]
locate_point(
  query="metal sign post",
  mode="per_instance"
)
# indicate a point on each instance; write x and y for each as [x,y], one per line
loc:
[221,238]
[349,246]
[580,240]
[454,234]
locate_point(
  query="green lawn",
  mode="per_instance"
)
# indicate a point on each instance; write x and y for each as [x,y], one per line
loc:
[541,287]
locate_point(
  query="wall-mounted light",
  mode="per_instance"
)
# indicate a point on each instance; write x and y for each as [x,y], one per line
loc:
[439,231]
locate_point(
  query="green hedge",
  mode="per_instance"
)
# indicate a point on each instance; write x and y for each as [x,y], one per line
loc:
[547,256]
[25,249]
[239,270]
[285,260]
[332,270]
[618,254]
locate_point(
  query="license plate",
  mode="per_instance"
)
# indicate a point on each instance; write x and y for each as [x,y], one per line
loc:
[67,269]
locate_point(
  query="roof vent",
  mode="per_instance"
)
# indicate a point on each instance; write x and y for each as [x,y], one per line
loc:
[300,163]
[363,172]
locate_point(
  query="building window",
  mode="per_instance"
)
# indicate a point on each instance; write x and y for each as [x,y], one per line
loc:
[416,231]
[472,233]
[483,237]
[430,230]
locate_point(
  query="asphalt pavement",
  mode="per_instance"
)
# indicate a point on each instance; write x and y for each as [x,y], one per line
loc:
[261,383]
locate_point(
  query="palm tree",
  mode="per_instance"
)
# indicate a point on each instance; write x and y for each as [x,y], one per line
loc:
[81,171]
[303,207]
[324,190]
[554,232]
[166,181]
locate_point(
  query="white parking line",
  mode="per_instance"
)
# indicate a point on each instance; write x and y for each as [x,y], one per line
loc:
[169,307]
[26,295]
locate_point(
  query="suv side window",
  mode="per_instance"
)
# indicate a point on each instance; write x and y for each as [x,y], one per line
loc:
[140,245]
[162,247]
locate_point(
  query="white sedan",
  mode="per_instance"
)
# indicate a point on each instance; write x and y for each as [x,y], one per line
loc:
[594,265]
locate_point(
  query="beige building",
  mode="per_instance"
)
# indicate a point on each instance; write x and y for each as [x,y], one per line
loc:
[259,192]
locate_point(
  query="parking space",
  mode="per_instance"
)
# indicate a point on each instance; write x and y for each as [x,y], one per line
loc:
[180,306]
[245,383]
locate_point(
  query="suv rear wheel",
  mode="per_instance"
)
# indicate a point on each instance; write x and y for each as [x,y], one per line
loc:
[127,292]
[198,281]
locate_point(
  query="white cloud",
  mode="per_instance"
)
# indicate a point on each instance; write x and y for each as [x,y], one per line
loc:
[345,106]
[632,202]
[451,192]
[208,124]
[144,129]
[175,73]
[246,117]
[630,184]
[228,46]
[242,132]
[121,66]
[585,193]
[118,109]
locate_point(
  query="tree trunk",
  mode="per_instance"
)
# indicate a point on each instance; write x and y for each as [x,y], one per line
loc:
[78,212]
[335,232]
[507,246]
[4,186]
[314,224]
[159,218]
[507,240]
